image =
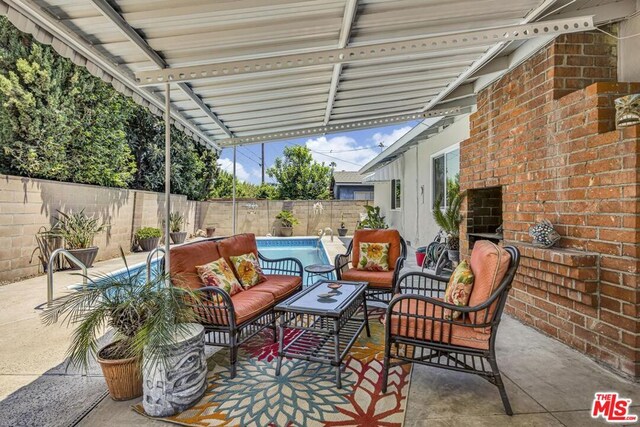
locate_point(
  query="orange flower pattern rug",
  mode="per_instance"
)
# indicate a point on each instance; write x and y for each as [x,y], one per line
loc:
[305,394]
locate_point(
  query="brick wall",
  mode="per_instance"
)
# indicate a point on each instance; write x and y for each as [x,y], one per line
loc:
[545,133]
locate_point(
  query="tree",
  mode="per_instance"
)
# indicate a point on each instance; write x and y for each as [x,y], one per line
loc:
[299,177]
[59,121]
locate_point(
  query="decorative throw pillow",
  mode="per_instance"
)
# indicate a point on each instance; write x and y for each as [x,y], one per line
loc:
[219,273]
[374,256]
[459,288]
[248,269]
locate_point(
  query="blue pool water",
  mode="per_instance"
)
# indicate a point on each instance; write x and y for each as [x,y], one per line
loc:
[307,250]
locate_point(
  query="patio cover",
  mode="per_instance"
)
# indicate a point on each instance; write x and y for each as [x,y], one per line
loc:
[249,71]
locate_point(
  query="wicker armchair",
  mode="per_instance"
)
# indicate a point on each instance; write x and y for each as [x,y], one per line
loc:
[420,328]
[381,283]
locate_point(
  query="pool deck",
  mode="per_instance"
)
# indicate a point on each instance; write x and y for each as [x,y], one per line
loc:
[548,383]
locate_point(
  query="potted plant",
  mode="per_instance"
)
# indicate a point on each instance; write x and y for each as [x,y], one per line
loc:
[372,219]
[287,221]
[176,220]
[151,322]
[211,231]
[77,231]
[342,231]
[47,243]
[148,237]
[449,220]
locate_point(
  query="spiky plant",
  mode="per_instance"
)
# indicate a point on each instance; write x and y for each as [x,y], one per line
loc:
[175,222]
[77,229]
[449,219]
[145,315]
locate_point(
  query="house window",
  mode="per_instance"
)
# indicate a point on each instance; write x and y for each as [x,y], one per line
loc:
[363,195]
[396,194]
[446,175]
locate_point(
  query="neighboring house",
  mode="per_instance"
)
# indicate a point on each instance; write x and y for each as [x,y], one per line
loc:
[411,174]
[349,186]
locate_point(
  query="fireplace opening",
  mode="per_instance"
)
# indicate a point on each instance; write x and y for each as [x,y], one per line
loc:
[484,215]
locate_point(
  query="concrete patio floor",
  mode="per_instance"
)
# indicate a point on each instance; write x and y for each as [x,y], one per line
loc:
[548,383]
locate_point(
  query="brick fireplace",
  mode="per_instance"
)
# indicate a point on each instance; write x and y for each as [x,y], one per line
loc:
[544,137]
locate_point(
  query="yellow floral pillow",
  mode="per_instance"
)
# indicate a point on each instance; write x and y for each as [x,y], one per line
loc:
[248,269]
[459,288]
[218,273]
[374,257]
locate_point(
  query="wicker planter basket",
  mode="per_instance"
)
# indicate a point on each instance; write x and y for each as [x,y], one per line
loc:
[123,377]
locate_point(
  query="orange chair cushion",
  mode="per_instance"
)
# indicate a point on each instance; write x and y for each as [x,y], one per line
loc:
[237,245]
[376,279]
[248,304]
[278,285]
[434,331]
[377,236]
[489,263]
[185,258]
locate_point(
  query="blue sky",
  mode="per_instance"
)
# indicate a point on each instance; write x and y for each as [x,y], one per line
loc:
[350,150]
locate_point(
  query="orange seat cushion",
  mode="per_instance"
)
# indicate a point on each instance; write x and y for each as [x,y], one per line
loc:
[185,258]
[434,331]
[278,285]
[376,279]
[377,236]
[248,304]
[237,245]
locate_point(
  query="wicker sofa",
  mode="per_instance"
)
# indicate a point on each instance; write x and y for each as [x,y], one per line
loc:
[229,321]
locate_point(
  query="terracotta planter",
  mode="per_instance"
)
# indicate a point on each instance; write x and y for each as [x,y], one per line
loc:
[342,232]
[149,244]
[178,237]
[211,231]
[87,256]
[285,231]
[123,377]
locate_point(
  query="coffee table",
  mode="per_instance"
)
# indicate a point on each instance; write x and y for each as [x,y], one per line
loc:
[327,327]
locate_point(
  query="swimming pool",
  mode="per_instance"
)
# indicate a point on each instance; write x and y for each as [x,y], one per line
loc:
[309,250]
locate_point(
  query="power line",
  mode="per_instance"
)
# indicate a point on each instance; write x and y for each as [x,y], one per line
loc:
[326,155]
[347,151]
[249,158]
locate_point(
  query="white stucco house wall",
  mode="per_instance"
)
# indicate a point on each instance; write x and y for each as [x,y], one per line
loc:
[409,163]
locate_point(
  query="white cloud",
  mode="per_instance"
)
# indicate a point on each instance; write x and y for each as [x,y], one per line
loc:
[227,165]
[389,138]
[344,150]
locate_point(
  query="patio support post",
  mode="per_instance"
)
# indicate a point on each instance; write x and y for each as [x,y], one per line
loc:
[167,176]
[234,190]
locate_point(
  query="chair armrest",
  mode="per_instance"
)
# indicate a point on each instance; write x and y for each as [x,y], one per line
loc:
[396,271]
[421,283]
[341,261]
[215,307]
[286,266]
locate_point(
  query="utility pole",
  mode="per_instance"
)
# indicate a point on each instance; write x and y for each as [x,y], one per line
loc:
[262,163]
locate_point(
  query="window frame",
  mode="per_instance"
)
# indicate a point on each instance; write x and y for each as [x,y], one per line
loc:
[396,204]
[441,153]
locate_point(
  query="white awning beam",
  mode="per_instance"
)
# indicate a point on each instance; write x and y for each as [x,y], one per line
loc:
[368,52]
[342,127]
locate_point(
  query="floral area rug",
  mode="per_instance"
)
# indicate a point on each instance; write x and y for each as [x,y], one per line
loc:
[305,394]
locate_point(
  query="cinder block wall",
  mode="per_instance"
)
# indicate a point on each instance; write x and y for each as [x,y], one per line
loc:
[545,134]
[28,204]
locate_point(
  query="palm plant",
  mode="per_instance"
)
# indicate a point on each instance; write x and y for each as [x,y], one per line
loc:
[144,313]
[449,219]
[176,220]
[77,229]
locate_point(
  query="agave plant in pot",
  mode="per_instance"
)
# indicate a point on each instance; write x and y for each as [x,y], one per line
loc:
[287,221]
[77,231]
[176,221]
[157,347]
[449,220]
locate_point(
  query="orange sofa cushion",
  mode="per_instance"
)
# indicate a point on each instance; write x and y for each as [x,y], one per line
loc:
[377,236]
[376,279]
[185,258]
[489,263]
[237,245]
[437,332]
[250,303]
[278,285]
